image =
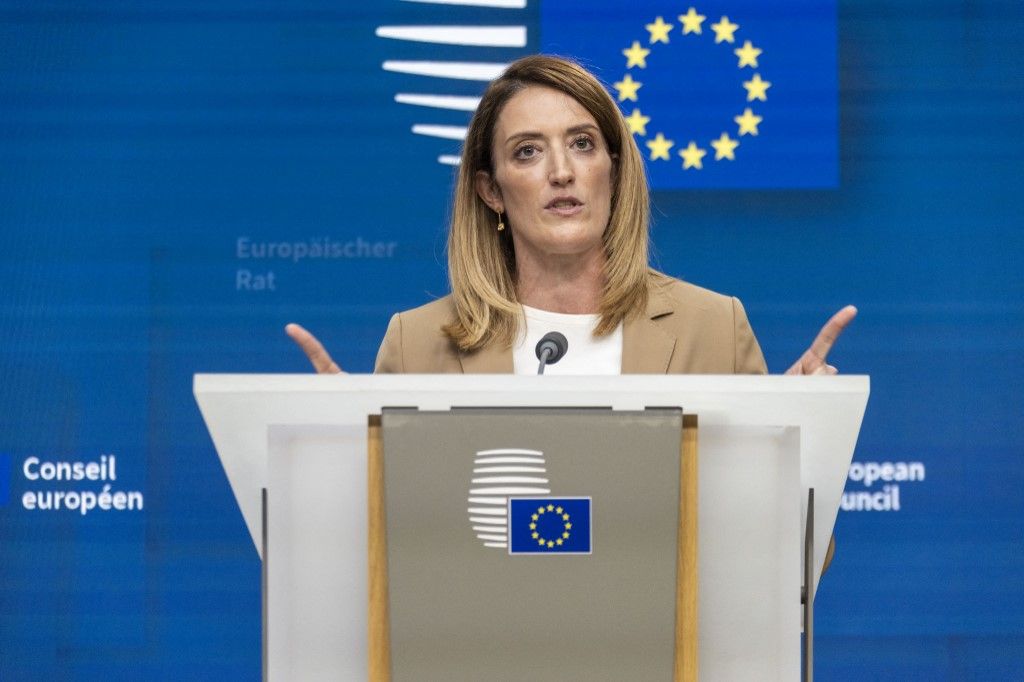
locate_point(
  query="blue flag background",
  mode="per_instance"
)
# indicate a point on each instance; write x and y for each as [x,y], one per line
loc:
[549,525]
[692,85]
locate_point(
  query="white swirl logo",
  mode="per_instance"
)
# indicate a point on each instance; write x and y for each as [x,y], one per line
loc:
[446,74]
[497,475]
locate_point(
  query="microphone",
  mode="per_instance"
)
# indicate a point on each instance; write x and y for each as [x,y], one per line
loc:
[550,349]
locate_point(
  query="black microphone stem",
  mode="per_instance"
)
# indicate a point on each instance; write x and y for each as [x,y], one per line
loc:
[544,355]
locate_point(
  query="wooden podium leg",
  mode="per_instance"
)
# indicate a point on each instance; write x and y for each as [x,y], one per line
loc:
[379,662]
[686,668]
[264,567]
[808,591]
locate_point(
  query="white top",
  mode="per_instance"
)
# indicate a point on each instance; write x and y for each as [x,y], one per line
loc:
[587,354]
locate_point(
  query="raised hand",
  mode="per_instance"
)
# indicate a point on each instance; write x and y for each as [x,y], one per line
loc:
[813,361]
[314,350]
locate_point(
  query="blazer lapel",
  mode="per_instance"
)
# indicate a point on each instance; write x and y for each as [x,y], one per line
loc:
[646,347]
[488,360]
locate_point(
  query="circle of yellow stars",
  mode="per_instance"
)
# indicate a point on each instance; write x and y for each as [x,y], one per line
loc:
[692,23]
[566,524]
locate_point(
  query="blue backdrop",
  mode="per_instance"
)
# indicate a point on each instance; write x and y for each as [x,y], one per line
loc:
[179,180]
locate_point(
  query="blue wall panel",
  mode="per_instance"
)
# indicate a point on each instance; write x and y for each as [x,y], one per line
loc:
[147,149]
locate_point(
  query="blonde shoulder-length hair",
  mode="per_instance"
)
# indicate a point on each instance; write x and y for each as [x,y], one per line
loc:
[482,260]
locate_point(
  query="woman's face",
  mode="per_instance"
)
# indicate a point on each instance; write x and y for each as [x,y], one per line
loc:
[552,176]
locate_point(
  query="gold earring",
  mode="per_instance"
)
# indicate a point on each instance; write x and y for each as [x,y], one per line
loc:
[501,223]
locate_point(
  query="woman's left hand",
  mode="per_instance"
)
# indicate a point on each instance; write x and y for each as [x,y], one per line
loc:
[813,361]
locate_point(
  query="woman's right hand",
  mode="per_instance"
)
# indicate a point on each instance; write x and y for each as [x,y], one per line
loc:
[314,350]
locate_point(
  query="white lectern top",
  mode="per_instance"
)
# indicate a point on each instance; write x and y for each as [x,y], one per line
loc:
[828,410]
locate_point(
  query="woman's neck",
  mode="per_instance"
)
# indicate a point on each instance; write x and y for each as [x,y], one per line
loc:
[570,285]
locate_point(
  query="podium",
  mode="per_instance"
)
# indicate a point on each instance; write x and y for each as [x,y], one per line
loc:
[295,452]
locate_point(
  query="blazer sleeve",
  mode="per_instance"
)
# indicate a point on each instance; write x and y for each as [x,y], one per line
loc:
[389,356]
[748,357]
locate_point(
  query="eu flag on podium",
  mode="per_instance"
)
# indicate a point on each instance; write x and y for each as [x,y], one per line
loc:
[549,525]
[718,93]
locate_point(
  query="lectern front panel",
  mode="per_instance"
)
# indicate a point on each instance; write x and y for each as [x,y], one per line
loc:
[532,544]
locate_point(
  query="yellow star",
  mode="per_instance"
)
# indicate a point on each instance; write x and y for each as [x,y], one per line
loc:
[550,544]
[541,542]
[748,122]
[535,535]
[558,510]
[559,542]
[692,156]
[691,21]
[724,147]
[565,535]
[659,31]
[533,526]
[748,54]
[659,147]
[540,510]
[565,517]
[627,88]
[725,31]
[757,88]
[568,526]
[551,507]
[636,56]
[535,517]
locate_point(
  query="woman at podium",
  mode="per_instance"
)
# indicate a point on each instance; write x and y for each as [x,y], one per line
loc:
[549,232]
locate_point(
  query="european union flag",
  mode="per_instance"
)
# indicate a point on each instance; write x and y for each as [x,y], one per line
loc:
[718,93]
[549,525]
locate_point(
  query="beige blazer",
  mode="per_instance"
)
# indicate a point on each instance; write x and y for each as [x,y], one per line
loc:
[685,330]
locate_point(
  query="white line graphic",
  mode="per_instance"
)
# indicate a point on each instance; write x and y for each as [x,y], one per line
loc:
[449,160]
[477,36]
[439,101]
[509,460]
[498,4]
[509,479]
[510,451]
[470,71]
[510,490]
[507,470]
[489,500]
[486,511]
[447,132]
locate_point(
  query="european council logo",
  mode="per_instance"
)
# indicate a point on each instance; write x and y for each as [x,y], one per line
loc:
[498,474]
[721,94]
[549,525]
[443,63]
